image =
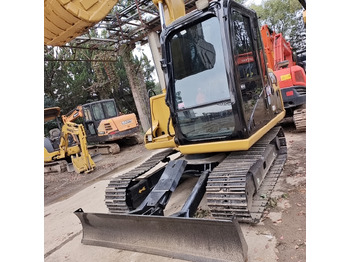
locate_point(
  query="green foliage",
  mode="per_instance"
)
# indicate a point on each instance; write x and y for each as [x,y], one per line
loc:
[70,83]
[122,93]
[65,81]
[147,70]
[283,16]
[49,102]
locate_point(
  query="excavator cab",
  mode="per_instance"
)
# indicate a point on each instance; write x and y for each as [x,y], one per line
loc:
[52,138]
[218,86]
[95,112]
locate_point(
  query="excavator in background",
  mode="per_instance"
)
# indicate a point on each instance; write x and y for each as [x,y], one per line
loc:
[291,77]
[66,143]
[105,125]
[215,125]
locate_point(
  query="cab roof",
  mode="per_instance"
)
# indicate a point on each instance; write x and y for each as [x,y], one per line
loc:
[51,113]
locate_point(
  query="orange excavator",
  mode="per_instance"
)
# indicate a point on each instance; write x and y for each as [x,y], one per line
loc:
[105,125]
[290,76]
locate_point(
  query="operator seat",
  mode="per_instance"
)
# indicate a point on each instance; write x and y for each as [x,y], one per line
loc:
[55,135]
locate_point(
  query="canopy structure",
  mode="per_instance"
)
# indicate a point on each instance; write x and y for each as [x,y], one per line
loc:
[69,23]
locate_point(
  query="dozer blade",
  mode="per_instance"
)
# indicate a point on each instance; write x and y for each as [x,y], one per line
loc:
[182,238]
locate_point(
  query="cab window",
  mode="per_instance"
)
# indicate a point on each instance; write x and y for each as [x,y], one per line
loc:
[98,111]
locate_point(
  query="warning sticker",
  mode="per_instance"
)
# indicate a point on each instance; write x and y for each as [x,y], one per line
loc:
[285,77]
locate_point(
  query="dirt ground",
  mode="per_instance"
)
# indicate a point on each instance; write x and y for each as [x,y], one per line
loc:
[285,215]
[289,199]
[63,185]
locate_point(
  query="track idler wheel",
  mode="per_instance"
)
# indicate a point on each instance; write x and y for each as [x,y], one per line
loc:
[299,119]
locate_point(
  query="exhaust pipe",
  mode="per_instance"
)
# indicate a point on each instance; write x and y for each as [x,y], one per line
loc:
[191,239]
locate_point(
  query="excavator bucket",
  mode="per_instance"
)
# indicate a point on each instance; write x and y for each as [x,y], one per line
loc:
[66,19]
[177,237]
[83,164]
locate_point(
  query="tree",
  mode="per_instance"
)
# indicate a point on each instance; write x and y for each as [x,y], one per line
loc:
[283,16]
[137,84]
[69,83]
[148,69]
[127,80]
[66,81]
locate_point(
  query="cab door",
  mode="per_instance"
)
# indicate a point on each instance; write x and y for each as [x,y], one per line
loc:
[90,127]
[250,69]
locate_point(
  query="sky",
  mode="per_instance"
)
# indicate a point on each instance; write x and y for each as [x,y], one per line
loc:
[257,2]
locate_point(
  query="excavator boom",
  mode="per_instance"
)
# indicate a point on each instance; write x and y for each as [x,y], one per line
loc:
[66,19]
[73,114]
[81,161]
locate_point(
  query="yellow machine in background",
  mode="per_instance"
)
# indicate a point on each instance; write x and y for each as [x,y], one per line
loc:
[58,148]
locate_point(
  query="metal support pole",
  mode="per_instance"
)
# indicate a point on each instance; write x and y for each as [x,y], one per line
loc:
[161,15]
[154,44]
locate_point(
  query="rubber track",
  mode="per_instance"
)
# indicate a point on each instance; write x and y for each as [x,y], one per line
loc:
[115,197]
[226,194]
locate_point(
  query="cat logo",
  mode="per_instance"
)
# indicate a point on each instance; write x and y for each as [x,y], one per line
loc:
[142,189]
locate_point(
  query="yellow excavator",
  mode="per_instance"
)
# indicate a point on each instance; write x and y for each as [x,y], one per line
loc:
[215,123]
[68,142]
